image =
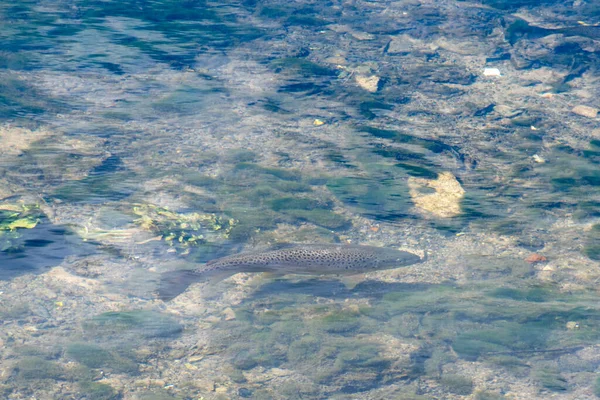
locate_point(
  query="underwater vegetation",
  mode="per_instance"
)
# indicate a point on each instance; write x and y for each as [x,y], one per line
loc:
[29,243]
[33,374]
[134,323]
[13,219]
[592,245]
[336,345]
[183,229]
[95,356]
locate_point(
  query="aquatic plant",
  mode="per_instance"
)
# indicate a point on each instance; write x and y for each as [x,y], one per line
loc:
[183,229]
[13,219]
[94,356]
[147,324]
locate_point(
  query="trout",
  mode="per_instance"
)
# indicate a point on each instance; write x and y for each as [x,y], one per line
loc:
[302,259]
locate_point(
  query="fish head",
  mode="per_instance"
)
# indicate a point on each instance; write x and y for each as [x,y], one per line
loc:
[391,258]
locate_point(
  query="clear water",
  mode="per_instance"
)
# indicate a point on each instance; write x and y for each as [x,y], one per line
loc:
[139,137]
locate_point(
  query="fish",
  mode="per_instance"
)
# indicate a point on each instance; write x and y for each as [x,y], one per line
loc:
[301,259]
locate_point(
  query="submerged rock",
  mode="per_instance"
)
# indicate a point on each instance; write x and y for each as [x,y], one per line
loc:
[369,83]
[445,202]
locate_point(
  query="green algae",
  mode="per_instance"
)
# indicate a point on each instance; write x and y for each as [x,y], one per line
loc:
[14,219]
[488,395]
[183,229]
[550,379]
[98,391]
[14,311]
[93,356]
[33,368]
[147,324]
[457,384]
[303,350]
[339,322]
[591,248]
[324,218]
[535,294]
[597,387]
[496,326]
[297,203]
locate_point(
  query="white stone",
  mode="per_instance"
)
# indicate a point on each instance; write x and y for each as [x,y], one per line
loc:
[491,72]
[585,111]
[538,159]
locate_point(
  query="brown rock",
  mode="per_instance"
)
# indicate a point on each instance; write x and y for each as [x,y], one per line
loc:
[585,111]
[536,258]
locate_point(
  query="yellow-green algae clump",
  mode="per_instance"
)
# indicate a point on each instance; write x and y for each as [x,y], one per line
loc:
[184,228]
[13,218]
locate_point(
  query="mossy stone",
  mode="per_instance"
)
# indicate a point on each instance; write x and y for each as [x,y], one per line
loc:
[303,349]
[14,311]
[338,322]
[362,356]
[148,324]
[513,364]
[90,355]
[471,349]
[592,246]
[597,387]
[297,203]
[535,294]
[30,368]
[240,155]
[324,218]
[551,380]
[93,356]
[98,391]
[237,376]
[488,395]
[457,384]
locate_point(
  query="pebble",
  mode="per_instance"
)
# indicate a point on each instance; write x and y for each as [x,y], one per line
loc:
[571,325]
[369,83]
[362,35]
[193,359]
[221,389]
[538,159]
[491,72]
[338,60]
[401,44]
[189,366]
[445,202]
[229,314]
[535,258]
[585,111]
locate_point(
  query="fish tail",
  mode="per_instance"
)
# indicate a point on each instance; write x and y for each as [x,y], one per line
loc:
[173,283]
